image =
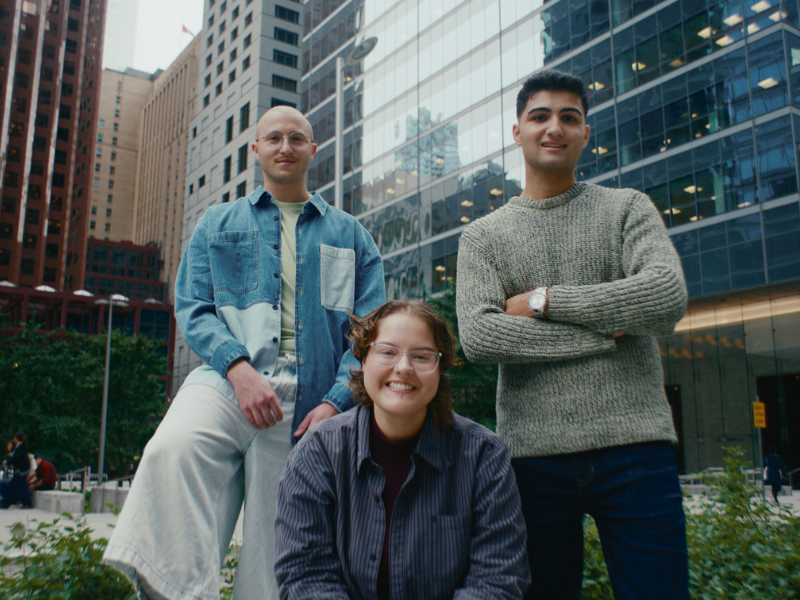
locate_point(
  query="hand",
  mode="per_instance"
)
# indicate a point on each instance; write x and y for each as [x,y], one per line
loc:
[255,395]
[517,306]
[324,411]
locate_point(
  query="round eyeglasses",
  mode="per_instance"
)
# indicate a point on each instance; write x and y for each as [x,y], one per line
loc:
[274,139]
[422,361]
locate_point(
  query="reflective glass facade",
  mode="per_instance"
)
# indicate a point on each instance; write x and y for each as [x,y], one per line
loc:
[696,103]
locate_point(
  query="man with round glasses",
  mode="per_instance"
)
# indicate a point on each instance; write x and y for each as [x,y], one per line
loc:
[263,296]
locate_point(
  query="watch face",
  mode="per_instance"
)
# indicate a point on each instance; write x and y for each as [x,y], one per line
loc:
[537,301]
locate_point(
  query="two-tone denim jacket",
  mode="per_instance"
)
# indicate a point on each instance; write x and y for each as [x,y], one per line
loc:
[228,295]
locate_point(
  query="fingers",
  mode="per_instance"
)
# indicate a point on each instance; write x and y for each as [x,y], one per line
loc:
[303,427]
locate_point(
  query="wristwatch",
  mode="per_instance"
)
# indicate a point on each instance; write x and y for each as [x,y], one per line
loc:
[537,302]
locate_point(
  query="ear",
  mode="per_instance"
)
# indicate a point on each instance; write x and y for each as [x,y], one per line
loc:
[586,136]
[254,148]
[313,149]
[515,132]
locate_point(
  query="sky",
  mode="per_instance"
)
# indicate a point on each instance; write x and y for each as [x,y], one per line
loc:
[159,37]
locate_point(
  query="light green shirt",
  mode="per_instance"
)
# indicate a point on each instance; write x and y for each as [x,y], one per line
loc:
[290,211]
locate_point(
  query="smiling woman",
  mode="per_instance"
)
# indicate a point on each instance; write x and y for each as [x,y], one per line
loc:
[401,467]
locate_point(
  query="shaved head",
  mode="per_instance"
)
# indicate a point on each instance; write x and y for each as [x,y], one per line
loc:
[279,116]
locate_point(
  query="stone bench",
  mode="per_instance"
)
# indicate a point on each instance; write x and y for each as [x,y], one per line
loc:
[59,502]
[102,496]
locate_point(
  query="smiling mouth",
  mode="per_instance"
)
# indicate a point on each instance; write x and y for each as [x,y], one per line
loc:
[399,386]
[553,145]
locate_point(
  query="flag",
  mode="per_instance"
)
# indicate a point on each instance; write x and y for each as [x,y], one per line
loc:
[186,30]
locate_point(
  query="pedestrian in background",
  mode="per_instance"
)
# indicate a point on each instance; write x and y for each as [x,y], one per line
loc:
[44,478]
[18,486]
[774,472]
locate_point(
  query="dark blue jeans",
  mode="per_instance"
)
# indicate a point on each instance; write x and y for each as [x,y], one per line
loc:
[16,491]
[633,494]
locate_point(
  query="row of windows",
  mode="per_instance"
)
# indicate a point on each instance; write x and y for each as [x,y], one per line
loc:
[218,87]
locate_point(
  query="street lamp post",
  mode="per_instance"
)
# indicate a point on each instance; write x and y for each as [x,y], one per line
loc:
[122,301]
[358,53]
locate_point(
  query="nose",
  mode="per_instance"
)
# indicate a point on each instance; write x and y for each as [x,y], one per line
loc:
[286,147]
[554,127]
[403,365]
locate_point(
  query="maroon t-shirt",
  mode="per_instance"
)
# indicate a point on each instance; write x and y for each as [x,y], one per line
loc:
[394,458]
[47,473]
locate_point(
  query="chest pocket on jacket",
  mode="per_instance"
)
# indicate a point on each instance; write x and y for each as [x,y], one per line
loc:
[233,258]
[337,278]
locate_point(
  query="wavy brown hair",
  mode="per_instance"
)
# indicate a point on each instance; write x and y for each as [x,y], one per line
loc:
[363,332]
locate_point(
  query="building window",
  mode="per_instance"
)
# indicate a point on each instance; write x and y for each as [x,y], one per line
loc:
[211,21]
[223,7]
[206,100]
[108,212]
[246,41]
[110,198]
[218,90]
[231,76]
[244,117]
[220,67]
[99,138]
[228,129]
[234,54]
[284,83]
[96,167]
[234,13]
[241,190]
[248,19]
[201,182]
[288,37]
[194,132]
[94,210]
[279,102]
[116,113]
[207,81]
[284,58]
[246,63]
[108,227]
[96,182]
[209,58]
[111,184]
[222,28]
[113,156]
[226,169]
[191,189]
[111,170]
[210,41]
[226,197]
[91,224]
[101,123]
[286,14]
[242,158]
[116,126]
[113,141]
[221,48]
[234,33]
[98,152]
[119,100]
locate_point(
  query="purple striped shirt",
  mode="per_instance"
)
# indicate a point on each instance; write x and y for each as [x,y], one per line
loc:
[457,530]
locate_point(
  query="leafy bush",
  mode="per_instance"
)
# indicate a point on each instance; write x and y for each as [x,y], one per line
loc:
[59,560]
[740,547]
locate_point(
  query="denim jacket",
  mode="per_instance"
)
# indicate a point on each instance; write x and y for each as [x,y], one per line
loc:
[228,295]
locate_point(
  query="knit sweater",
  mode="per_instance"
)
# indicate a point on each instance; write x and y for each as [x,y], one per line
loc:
[565,383]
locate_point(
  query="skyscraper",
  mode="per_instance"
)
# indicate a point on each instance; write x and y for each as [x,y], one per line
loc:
[50,54]
[119,47]
[692,102]
[161,165]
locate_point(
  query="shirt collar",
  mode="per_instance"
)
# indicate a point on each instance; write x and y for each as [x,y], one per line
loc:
[431,446]
[316,200]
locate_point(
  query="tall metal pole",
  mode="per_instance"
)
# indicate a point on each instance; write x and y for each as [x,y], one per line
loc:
[338,194]
[104,411]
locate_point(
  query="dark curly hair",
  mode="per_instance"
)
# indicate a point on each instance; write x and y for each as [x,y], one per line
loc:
[551,80]
[363,332]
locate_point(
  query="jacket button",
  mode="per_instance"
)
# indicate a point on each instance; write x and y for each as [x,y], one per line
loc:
[274,307]
[274,340]
[277,275]
[275,218]
[275,247]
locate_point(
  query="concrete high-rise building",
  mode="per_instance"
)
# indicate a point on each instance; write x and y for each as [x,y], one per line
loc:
[249,62]
[120,38]
[695,103]
[161,167]
[49,86]
[122,98]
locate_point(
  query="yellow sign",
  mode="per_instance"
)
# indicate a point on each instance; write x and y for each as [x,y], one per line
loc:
[759,415]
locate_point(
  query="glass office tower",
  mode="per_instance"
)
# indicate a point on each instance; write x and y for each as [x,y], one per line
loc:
[696,103]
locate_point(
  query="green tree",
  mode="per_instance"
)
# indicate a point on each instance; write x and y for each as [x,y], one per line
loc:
[52,389]
[474,386]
